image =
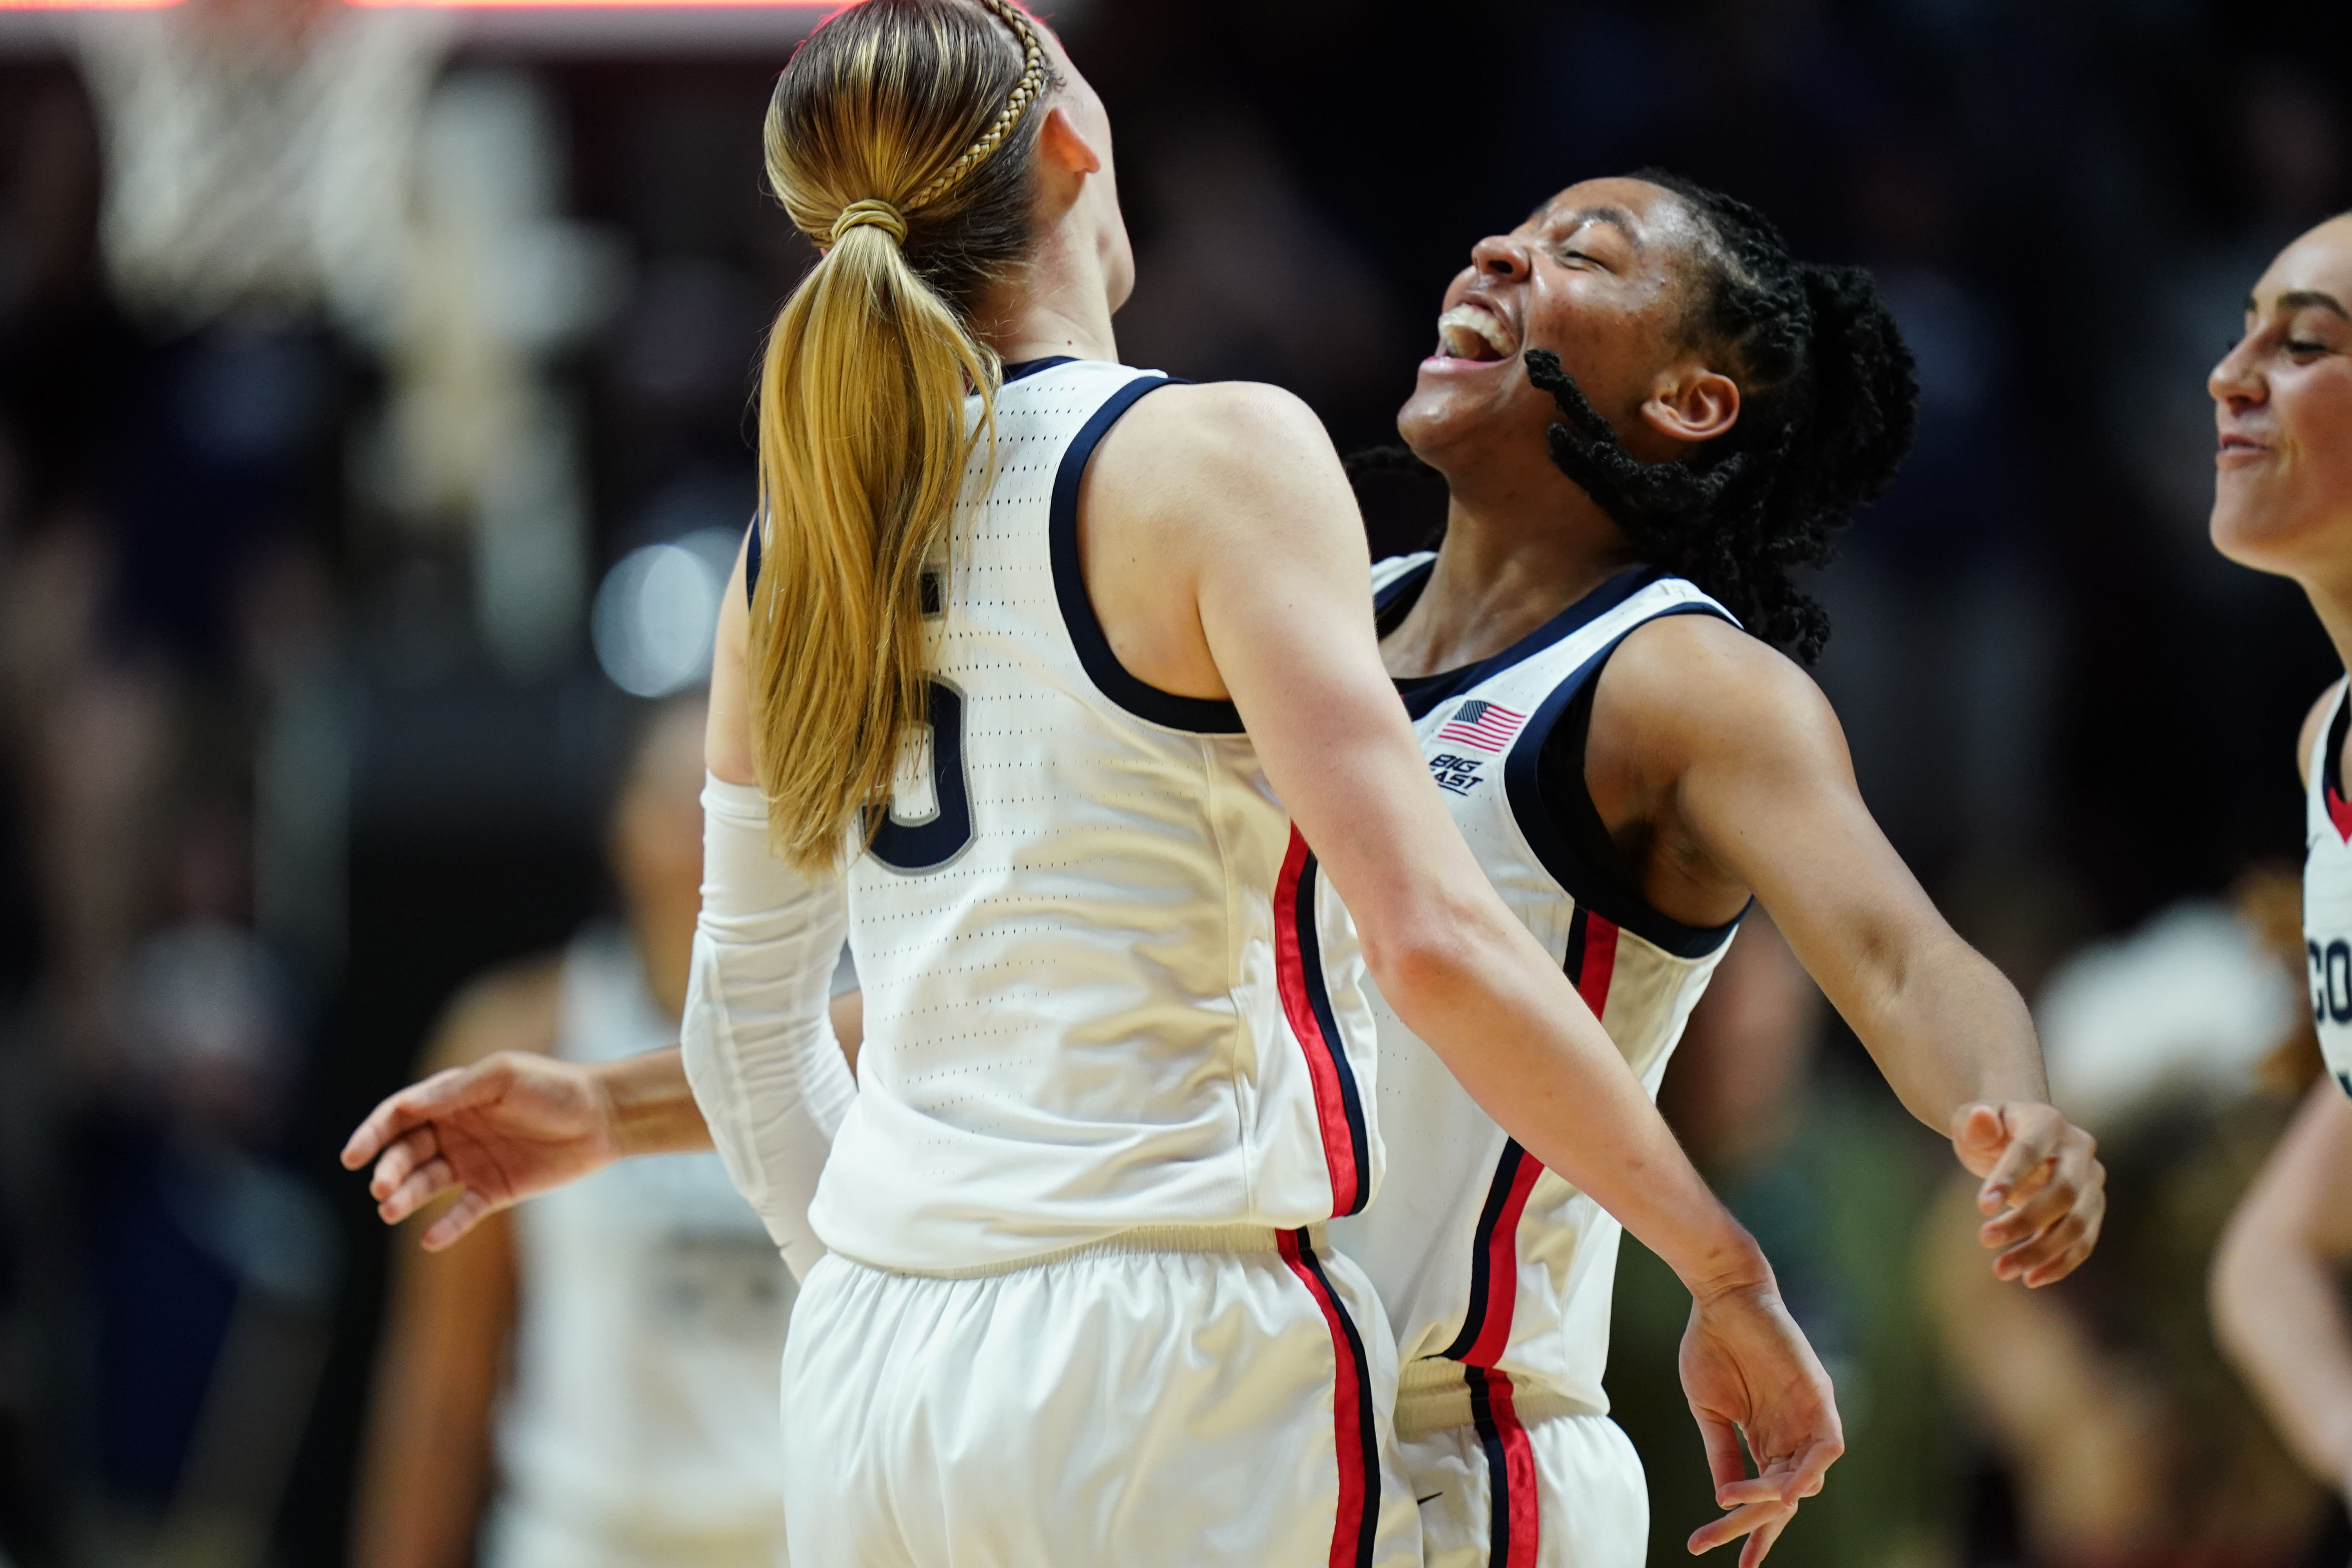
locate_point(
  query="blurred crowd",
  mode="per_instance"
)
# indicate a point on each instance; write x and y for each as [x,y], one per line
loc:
[374,440]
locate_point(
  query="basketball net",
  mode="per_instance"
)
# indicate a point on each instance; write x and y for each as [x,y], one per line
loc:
[259,154]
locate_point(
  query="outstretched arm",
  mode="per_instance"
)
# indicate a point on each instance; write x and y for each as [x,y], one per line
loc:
[516,1124]
[1737,760]
[2278,1286]
[1234,492]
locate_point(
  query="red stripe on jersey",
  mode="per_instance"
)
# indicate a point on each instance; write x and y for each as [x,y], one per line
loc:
[1596,955]
[1352,1526]
[1502,1261]
[1291,981]
[1600,962]
[2340,812]
[1514,1517]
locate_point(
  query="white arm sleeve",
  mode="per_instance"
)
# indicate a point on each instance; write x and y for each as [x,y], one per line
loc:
[758,1043]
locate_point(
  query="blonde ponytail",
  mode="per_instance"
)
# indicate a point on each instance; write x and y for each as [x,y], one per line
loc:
[899,140]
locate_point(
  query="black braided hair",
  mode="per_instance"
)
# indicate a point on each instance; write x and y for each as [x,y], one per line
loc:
[1829,403]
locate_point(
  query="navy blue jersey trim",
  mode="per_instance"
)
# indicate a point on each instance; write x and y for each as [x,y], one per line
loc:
[1366,1424]
[1423,693]
[1498,1463]
[1318,997]
[1589,889]
[2331,764]
[1482,1249]
[1022,367]
[1197,715]
[1394,600]
[1013,373]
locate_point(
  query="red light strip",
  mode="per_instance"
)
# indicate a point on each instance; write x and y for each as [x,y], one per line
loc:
[458,5]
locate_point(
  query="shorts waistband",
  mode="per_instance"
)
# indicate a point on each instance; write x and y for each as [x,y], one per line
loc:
[1433,1395]
[1217,1239]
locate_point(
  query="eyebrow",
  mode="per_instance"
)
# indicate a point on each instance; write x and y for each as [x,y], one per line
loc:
[2303,298]
[1616,217]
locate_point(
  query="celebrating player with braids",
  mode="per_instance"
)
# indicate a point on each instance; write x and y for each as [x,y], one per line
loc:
[1048,672]
[1647,412]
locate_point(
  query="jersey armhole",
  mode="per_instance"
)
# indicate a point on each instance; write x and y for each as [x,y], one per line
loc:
[1552,806]
[1193,715]
[2328,766]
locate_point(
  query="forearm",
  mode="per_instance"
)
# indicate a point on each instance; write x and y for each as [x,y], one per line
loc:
[1947,1028]
[1506,1022]
[2278,1285]
[758,1042]
[426,1464]
[652,1104]
[2279,1313]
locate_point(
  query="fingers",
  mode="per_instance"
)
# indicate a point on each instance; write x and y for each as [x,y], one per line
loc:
[2032,1133]
[1736,1523]
[470,1209]
[1726,1460]
[1803,1478]
[2048,1234]
[412,1107]
[1760,1542]
[2049,1258]
[422,1185]
[1755,1488]
[2032,1214]
[409,1151]
[1978,1137]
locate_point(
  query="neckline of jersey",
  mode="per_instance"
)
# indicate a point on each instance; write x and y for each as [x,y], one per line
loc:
[1020,368]
[1423,693]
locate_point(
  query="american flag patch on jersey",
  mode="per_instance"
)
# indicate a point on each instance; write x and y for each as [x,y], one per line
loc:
[1486,725]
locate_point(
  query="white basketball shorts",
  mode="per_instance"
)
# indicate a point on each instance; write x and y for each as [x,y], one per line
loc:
[1186,1397]
[1524,1482]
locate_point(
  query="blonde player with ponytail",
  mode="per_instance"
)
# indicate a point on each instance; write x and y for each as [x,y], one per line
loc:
[1040,677]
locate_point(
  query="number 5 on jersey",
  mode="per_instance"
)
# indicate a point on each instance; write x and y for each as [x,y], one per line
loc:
[929,822]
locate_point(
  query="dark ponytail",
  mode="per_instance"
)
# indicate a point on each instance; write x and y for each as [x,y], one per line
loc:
[1829,404]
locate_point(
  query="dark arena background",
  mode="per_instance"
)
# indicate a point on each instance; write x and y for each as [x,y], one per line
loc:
[374,435]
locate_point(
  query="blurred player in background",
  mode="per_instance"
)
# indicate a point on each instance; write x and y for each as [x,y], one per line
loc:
[1646,412]
[1068,1299]
[598,1366]
[2283,504]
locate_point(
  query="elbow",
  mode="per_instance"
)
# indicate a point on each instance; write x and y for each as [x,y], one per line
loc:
[1419,959]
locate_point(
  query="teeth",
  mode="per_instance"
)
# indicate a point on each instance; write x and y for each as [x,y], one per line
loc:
[1467,332]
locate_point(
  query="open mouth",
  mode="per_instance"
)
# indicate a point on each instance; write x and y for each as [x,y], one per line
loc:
[1471,332]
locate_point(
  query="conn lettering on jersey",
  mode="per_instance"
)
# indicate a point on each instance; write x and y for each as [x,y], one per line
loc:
[2327,895]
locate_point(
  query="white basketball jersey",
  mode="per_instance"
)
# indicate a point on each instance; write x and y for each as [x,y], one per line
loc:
[1105,986]
[1486,1261]
[642,1423]
[2327,895]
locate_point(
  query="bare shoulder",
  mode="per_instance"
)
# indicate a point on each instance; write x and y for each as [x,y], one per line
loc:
[1695,686]
[510,1008]
[1226,440]
[2309,737]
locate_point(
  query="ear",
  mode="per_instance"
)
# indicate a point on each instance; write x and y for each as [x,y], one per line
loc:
[1694,404]
[1064,146]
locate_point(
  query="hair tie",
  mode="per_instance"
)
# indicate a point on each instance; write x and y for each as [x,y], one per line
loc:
[881,215]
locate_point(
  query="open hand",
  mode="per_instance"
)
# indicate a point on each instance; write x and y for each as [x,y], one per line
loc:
[1749,1372]
[2044,1191]
[509,1126]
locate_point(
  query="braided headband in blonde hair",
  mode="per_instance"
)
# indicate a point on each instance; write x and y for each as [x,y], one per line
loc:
[1026,91]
